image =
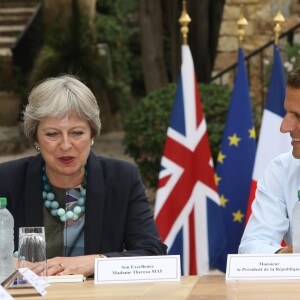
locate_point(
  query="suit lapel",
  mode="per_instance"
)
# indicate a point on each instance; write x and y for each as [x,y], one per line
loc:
[94,206]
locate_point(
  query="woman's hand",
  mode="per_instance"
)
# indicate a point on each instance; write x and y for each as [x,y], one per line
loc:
[72,265]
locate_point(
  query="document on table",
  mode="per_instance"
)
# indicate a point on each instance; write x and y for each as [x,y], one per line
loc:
[65,278]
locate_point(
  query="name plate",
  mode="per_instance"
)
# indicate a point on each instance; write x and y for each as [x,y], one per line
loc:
[263,266]
[4,295]
[137,269]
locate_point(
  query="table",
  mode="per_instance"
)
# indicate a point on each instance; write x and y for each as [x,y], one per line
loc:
[211,287]
[88,290]
[216,287]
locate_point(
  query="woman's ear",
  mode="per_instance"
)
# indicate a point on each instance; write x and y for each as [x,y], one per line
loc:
[37,146]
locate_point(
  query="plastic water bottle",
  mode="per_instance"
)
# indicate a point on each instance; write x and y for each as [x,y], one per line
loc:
[296,225]
[6,241]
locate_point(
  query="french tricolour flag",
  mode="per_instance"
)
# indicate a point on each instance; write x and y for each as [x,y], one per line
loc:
[271,141]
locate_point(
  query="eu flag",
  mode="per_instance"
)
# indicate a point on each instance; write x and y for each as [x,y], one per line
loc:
[235,160]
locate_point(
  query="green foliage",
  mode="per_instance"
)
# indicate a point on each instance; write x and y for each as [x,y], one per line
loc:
[216,99]
[147,123]
[292,57]
[116,28]
[290,60]
[69,47]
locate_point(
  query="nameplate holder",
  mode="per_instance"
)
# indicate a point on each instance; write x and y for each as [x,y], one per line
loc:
[137,269]
[4,295]
[263,266]
[36,281]
[29,278]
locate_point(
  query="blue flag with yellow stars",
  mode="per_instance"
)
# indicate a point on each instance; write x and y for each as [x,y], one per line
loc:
[236,160]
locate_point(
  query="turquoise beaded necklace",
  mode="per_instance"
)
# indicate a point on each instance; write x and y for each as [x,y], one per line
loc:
[52,204]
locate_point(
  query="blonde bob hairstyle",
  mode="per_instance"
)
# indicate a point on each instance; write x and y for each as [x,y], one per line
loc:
[59,97]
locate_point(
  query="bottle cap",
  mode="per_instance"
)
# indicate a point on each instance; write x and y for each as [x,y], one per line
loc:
[3,201]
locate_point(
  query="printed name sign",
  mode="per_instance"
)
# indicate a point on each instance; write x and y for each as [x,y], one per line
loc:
[36,281]
[137,269]
[4,295]
[264,266]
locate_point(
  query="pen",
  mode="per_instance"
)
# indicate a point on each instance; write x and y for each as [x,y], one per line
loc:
[19,281]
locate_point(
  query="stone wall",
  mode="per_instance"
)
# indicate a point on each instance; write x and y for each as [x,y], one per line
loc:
[259,31]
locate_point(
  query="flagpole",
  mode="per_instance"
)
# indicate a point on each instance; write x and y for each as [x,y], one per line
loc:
[184,21]
[279,18]
[241,23]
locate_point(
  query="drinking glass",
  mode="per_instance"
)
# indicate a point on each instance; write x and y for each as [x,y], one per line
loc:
[32,249]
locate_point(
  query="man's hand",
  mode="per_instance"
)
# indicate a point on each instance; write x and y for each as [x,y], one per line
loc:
[286,249]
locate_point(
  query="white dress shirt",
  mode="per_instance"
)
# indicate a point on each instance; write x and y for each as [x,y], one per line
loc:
[276,195]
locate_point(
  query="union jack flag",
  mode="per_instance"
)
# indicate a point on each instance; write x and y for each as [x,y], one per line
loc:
[187,209]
